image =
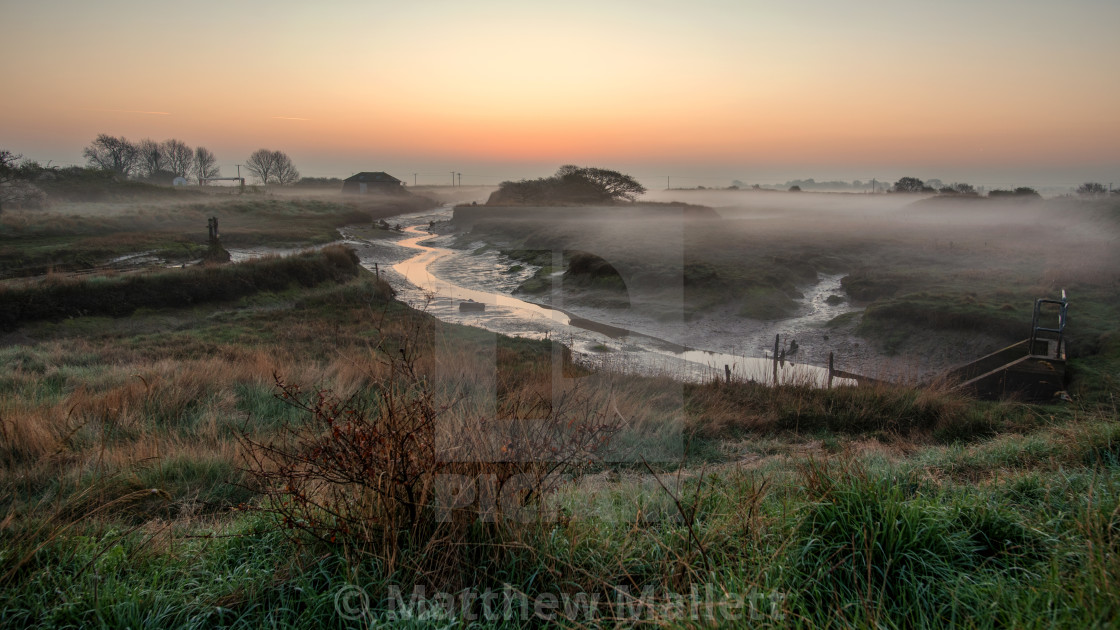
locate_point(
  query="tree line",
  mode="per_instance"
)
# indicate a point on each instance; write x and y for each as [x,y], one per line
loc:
[162,162]
[149,160]
[915,185]
[109,159]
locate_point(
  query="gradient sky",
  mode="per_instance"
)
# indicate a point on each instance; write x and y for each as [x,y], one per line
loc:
[989,92]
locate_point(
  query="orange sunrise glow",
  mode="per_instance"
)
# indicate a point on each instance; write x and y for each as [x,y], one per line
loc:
[743,89]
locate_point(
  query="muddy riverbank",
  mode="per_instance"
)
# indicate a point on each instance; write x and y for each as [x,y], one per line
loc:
[431,275]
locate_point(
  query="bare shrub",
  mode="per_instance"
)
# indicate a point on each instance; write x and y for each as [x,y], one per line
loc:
[373,474]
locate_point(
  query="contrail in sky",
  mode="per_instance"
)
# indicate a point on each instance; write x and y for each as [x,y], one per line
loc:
[130,111]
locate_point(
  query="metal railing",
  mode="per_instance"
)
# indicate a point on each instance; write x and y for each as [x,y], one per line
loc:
[1063,306]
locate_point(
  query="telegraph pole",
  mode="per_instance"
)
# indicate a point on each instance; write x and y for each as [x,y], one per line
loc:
[460,175]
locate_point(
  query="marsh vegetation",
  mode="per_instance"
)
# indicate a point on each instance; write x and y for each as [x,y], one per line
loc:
[929,281]
[241,455]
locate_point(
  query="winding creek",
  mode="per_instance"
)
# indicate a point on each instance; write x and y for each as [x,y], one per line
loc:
[437,279]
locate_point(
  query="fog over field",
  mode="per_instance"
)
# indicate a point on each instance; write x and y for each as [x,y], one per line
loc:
[739,275]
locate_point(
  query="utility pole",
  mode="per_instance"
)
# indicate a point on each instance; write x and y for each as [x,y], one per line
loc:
[460,180]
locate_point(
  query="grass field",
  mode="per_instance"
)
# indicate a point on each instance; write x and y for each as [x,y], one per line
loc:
[81,236]
[278,456]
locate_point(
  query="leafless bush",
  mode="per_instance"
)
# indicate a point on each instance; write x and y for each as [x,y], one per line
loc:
[372,473]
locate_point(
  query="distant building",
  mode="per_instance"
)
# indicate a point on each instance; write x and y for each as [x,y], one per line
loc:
[371,182]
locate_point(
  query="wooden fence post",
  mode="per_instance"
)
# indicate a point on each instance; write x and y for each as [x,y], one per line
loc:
[776,337]
[830,370]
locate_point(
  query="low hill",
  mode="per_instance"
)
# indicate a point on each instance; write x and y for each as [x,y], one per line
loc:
[465,217]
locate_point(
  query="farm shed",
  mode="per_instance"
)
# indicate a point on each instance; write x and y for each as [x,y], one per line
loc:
[366,181]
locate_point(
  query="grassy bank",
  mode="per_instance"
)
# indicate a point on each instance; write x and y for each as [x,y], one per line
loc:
[140,454]
[1017,531]
[80,236]
[122,295]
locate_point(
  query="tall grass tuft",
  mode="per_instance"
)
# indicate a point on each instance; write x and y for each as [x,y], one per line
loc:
[871,551]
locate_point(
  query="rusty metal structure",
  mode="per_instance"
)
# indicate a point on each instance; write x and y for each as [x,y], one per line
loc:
[1032,370]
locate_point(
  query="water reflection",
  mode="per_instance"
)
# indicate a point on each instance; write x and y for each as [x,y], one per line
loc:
[593,343]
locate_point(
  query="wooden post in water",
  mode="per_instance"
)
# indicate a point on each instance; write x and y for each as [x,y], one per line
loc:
[830,370]
[215,253]
[376,271]
[776,337]
[727,373]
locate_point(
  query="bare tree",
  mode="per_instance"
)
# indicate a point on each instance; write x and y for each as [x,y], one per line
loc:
[567,170]
[610,185]
[272,167]
[614,184]
[180,157]
[572,184]
[1092,189]
[285,171]
[151,158]
[112,154]
[261,164]
[205,164]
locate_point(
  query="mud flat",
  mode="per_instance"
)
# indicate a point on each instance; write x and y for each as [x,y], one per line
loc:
[430,275]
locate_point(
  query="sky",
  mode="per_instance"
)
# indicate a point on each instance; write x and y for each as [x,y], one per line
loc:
[693,93]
